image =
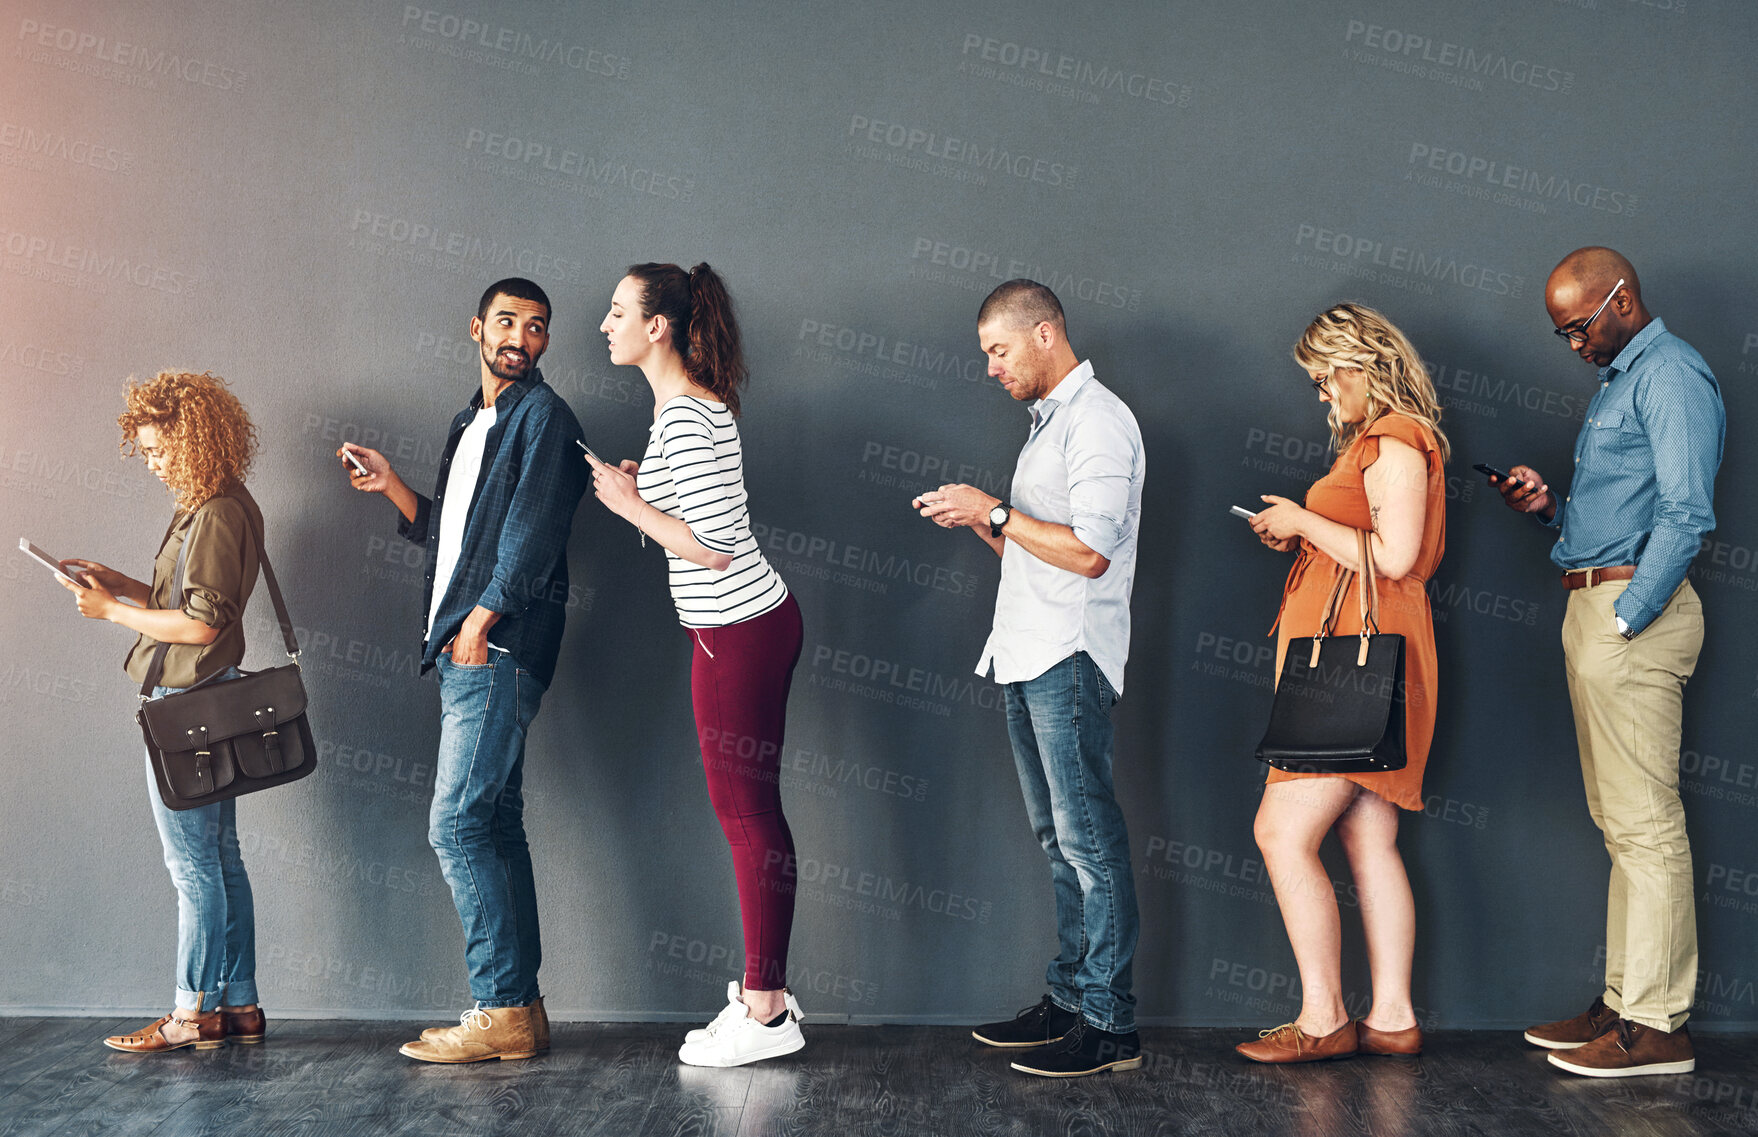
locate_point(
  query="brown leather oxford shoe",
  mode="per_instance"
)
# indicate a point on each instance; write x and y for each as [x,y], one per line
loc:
[1288,1043]
[1403,1042]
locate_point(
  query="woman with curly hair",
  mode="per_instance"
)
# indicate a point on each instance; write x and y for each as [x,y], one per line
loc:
[197,439]
[1388,481]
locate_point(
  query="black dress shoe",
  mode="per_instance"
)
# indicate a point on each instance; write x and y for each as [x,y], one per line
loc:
[1084,1050]
[1035,1026]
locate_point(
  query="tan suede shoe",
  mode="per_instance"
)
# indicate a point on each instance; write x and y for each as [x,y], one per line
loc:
[482,1033]
[539,1026]
[210,1034]
[1288,1043]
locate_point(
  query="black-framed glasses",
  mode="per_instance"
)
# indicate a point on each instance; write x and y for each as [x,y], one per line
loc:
[1321,385]
[1578,334]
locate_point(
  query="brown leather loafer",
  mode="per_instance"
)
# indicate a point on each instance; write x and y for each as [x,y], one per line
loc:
[1288,1043]
[1630,1050]
[1578,1031]
[1404,1042]
[210,1034]
[245,1026]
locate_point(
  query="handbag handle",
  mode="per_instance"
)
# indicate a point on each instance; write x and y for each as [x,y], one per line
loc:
[156,666]
[1368,597]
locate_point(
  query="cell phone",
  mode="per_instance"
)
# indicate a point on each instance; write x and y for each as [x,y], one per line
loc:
[46,561]
[1241,511]
[355,462]
[1489,471]
[589,453]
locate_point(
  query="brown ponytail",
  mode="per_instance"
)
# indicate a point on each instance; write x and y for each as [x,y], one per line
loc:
[704,331]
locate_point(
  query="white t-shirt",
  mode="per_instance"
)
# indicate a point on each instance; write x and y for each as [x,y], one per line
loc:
[460,487]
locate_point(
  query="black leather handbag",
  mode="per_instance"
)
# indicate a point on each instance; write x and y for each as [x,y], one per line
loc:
[1339,706]
[223,739]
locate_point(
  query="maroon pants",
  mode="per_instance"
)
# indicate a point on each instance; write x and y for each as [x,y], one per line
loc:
[739,680]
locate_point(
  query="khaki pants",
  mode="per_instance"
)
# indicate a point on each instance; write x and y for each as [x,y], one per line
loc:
[1629,700]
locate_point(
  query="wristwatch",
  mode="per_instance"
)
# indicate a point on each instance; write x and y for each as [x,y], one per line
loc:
[998,517]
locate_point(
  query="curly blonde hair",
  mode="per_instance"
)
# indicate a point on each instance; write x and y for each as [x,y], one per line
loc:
[209,440]
[1356,336]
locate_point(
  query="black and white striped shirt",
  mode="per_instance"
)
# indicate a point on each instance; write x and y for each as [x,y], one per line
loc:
[694,470]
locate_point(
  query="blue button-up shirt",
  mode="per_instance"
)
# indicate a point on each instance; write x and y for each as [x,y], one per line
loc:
[1645,467]
[1082,466]
[514,556]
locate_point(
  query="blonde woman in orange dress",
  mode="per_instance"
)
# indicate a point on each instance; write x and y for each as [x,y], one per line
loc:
[1388,480]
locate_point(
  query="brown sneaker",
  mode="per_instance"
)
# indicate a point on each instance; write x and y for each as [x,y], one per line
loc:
[210,1034]
[1629,1050]
[1578,1031]
[1404,1042]
[244,1026]
[1288,1043]
[482,1033]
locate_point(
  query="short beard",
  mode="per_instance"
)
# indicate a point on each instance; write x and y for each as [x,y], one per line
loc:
[508,374]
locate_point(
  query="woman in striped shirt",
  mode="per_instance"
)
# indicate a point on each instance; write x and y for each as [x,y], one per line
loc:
[688,494]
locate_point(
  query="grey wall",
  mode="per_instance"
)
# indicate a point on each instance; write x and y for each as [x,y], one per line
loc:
[306,198]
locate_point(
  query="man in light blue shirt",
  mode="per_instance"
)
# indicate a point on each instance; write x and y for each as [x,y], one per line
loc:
[1637,508]
[1067,544]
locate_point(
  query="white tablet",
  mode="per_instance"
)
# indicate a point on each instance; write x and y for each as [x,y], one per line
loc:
[45,560]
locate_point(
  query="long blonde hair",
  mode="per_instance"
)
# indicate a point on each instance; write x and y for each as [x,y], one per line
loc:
[1354,335]
[207,435]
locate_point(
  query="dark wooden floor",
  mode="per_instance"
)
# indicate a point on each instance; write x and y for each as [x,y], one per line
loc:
[619,1080]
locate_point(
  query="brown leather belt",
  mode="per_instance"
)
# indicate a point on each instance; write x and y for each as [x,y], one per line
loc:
[1587,578]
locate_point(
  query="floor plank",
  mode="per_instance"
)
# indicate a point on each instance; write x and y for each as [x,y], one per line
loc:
[341,1079]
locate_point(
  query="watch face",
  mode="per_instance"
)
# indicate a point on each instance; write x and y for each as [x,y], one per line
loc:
[998,515]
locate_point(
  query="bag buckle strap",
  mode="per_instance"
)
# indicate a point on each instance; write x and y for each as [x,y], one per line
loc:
[204,759]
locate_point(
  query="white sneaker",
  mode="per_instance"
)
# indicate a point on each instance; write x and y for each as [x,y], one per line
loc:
[735,1038]
[733,1005]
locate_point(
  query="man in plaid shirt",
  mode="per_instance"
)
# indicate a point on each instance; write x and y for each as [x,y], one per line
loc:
[496,534]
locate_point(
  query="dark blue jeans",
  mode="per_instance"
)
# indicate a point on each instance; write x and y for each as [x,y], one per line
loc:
[1060,725]
[477,823]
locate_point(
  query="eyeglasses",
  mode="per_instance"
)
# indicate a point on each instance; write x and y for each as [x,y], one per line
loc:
[1322,385]
[1578,335]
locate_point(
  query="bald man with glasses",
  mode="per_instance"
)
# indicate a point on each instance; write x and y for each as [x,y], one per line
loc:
[1637,507]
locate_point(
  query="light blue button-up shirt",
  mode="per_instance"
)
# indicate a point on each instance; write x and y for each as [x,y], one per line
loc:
[1082,466]
[1645,466]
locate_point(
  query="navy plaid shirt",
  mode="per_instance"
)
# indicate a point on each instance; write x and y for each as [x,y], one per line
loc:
[514,557]
[1645,466]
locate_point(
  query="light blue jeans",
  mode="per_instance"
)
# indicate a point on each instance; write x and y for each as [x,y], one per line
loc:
[477,823]
[1060,725]
[216,916]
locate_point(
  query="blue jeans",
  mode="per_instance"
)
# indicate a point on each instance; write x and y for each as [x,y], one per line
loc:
[216,917]
[477,823]
[1060,725]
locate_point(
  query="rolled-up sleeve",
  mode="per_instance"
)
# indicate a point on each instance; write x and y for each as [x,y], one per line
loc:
[1102,458]
[213,562]
[1682,412]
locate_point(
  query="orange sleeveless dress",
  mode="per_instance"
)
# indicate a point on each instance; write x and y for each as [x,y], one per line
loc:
[1342,496]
